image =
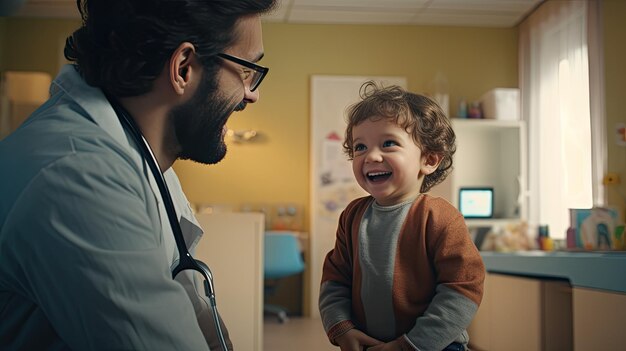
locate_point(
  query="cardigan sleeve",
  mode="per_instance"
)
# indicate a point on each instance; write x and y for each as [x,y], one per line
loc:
[460,274]
[335,301]
[336,288]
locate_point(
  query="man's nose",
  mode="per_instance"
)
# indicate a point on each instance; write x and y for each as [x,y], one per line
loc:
[251,96]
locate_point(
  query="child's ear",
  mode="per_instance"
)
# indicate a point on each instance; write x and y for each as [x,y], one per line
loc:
[429,163]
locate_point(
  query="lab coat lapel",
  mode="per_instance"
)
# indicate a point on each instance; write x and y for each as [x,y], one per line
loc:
[98,109]
[192,231]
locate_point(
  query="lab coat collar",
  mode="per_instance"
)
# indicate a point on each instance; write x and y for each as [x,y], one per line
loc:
[99,110]
[92,100]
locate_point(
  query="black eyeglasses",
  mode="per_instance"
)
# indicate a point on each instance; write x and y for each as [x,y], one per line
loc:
[255,74]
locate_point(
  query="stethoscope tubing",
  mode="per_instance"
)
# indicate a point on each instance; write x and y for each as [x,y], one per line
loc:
[185,261]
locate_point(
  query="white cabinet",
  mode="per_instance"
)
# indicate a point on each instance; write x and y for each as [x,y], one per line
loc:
[232,246]
[490,153]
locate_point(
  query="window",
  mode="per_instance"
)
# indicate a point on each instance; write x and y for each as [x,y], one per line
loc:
[556,103]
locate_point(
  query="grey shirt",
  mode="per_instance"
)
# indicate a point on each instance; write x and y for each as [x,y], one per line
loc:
[378,238]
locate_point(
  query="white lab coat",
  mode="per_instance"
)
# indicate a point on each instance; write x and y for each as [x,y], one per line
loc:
[86,249]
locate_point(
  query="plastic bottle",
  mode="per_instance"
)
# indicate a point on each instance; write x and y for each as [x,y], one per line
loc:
[474,110]
[545,242]
[462,112]
[548,244]
[571,238]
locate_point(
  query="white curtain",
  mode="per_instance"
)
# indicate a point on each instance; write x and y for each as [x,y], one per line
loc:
[559,59]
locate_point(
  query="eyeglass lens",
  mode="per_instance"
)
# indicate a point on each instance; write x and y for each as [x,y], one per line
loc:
[258,72]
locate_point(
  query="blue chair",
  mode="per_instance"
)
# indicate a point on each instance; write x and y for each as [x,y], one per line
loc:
[282,258]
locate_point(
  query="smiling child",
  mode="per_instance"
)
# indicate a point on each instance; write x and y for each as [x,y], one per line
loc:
[404,273]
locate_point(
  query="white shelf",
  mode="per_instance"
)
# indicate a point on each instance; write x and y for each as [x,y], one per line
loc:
[484,123]
[489,222]
[490,153]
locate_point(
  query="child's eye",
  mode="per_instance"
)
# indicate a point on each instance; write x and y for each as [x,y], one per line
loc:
[359,147]
[389,143]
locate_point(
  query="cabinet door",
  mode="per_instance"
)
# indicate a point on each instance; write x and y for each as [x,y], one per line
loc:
[480,329]
[516,318]
[557,316]
[523,314]
[598,319]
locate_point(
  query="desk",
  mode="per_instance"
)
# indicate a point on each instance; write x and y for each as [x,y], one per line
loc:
[598,295]
[596,270]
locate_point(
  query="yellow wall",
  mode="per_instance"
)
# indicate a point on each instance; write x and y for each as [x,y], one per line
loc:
[277,169]
[35,44]
[614,13]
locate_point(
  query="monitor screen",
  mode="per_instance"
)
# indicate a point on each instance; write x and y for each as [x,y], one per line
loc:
[476,202]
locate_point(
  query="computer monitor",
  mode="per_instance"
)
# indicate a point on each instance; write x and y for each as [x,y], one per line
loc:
[476,202]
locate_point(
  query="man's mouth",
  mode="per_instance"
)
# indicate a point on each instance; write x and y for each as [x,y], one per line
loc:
[378,176]
[240,106]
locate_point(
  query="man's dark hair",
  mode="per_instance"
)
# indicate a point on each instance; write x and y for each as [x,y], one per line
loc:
[123,45]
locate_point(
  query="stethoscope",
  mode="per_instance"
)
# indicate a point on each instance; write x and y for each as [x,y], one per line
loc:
[185,261]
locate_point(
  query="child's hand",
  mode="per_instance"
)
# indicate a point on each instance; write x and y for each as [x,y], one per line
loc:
[353,339]
[389,346]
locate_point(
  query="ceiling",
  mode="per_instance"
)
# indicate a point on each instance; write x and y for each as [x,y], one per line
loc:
[482,13]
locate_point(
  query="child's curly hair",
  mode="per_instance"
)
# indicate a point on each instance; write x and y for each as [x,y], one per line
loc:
[419,115]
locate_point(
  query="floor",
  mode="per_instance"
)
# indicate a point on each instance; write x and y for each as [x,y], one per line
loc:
[302,334]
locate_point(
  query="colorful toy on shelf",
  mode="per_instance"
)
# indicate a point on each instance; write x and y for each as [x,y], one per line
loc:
[511,237]
[474,110]
[544,241]
[597,228]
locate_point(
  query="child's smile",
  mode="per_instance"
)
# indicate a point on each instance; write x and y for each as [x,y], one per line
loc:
[386,161]
[376,177]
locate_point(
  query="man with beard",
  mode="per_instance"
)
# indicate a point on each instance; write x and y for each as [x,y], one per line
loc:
[86,249]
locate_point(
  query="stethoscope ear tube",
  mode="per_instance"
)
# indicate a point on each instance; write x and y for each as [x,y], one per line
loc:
[186,261]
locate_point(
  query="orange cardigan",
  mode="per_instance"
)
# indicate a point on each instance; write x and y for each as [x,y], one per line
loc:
[434,247]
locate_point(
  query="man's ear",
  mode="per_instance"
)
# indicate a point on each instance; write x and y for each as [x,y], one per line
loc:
[429,163]
[181,70]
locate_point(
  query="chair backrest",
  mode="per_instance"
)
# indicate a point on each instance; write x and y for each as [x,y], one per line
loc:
[282,255]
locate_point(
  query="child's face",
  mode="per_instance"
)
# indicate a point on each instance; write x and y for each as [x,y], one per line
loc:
[387,163]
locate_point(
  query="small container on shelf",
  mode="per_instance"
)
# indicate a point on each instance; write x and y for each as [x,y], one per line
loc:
[544,241]
[462,111]
[475,111]
[501,103]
